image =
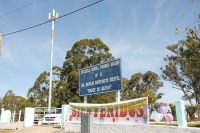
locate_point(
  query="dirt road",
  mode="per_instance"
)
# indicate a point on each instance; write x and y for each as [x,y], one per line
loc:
[41,129]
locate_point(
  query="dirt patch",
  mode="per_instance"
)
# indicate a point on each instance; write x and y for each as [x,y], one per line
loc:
[41,129]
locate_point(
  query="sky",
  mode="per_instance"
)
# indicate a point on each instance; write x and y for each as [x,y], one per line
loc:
[138,31]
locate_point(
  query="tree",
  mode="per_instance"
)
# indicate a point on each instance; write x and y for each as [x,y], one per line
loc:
[84,53]
[151,96]
[142,83]
[1,102]
[65,88]
[38,94]
[182,69]
[14,103]
[60,91]
[8,101]
[127,93]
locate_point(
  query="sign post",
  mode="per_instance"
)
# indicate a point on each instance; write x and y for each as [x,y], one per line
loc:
[118,96]
[85,99]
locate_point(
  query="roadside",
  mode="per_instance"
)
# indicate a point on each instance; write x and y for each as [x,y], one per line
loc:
[57,129]
[41,129]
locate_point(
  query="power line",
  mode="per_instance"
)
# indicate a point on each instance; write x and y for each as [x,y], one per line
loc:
[51,20]
[18,8]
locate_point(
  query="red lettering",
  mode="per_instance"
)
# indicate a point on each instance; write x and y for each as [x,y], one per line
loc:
[79,112]
[73,110]
[88,110]
[95,111]
[116,110]
[123,110]
[110,111]
[132,111]
[103,113]
[140,112]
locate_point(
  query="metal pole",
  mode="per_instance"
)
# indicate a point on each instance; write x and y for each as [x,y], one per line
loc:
[85,99]
[117,96]
[53,17]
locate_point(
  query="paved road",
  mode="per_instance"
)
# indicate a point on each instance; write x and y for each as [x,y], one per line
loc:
[41,129]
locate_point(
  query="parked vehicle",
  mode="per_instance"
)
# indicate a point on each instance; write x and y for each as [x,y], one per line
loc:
[40,113]
[52,117]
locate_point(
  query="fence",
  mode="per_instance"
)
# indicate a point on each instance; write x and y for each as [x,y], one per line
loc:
[7,117]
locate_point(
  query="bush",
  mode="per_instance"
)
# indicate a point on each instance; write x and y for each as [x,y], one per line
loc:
[190,111]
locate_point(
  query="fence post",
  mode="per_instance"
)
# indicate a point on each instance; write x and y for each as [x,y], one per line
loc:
[19,116]
[181,113]
[65,109]
[2,110]
[29,117]
[13,115]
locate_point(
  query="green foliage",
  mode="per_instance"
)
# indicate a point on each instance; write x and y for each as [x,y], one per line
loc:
[173,110]
[8,101]
[38,94]
[14,103]
[191,110]
[84,53]
[102,98]
[151,96]
[182,69]
[183,66]
[65,88]
[126,92]
[142,83]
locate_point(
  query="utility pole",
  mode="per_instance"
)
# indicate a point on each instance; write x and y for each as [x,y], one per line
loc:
[52,16]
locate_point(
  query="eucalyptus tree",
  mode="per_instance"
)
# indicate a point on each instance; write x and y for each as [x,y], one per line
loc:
[84,53]
[143,83]
[38,94]
[183,69]
[65,88]
[8,101]
[14,103]
[126,92]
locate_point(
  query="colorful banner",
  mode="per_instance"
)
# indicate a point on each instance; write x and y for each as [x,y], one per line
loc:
[131,112]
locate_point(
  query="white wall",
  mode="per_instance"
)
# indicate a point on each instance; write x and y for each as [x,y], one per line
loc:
[106,128]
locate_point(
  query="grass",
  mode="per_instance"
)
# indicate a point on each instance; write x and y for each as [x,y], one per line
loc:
[172,124]
[194,125]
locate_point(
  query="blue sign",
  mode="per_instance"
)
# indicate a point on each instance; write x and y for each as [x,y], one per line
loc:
[105,77]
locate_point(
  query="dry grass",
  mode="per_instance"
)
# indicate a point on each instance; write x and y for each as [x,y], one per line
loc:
[171,124]
[6,131]
[194,125]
